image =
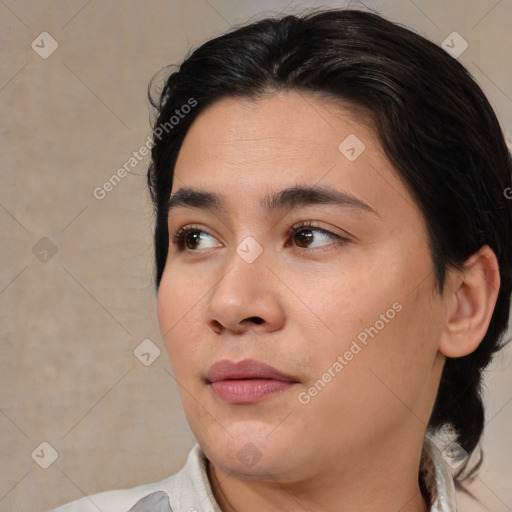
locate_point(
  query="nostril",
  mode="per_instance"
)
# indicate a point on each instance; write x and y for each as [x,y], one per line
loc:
[217,327]
[256,319]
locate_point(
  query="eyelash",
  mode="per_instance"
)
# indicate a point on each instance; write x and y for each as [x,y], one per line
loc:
[295,228]
[178,239]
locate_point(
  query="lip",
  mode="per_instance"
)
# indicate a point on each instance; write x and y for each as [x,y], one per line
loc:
[247,381]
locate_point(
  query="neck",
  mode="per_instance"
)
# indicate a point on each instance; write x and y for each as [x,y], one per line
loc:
[376,487]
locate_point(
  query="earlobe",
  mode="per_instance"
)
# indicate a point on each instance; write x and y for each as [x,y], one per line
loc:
[471,298]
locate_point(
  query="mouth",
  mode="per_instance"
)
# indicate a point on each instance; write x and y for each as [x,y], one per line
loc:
[247,381]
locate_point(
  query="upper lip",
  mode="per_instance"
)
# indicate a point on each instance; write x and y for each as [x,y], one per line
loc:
[246,369]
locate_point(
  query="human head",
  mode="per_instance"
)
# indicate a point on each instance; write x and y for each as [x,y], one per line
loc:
[431,118]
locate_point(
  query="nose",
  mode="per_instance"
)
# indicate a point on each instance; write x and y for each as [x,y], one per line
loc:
[247,297]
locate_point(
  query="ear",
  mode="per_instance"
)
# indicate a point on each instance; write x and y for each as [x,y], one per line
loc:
[470,299]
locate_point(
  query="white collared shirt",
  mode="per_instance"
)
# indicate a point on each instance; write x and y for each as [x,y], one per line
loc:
[189,490]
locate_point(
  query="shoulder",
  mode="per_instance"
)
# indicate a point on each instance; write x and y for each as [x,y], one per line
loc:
[187,489]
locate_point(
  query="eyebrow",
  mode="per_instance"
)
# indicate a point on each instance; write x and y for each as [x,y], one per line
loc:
[288,198]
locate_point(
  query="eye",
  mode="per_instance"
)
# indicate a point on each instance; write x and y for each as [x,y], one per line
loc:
[305,236]
[308,236]
[190,238]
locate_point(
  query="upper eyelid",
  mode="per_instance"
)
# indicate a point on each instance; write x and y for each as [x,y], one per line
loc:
[333,231]
[308,224]
[294,227]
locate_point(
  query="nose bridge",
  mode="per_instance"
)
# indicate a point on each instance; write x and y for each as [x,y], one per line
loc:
[245,270]
[246,291]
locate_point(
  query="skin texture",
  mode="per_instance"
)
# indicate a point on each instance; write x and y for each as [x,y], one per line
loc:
[356,444]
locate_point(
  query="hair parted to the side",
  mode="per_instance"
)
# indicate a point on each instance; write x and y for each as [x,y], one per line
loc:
[432,119]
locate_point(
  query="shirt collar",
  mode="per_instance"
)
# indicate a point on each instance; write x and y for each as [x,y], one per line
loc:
[438,479]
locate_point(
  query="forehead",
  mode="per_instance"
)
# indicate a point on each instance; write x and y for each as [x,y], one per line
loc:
[279,127]
[243,149]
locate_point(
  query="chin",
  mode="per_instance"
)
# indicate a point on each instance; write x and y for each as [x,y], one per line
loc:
[249,452]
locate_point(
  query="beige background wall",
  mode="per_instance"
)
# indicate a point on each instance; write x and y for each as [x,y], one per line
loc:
[70,321]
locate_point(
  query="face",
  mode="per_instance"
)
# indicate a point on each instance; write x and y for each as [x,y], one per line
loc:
[302,326]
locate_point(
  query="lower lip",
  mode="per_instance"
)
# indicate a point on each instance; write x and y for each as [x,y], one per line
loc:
[248,391]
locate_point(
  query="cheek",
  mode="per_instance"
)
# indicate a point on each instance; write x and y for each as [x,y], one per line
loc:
[177,303]
[351,302]
[401,355]
[376,313]
[385,367]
